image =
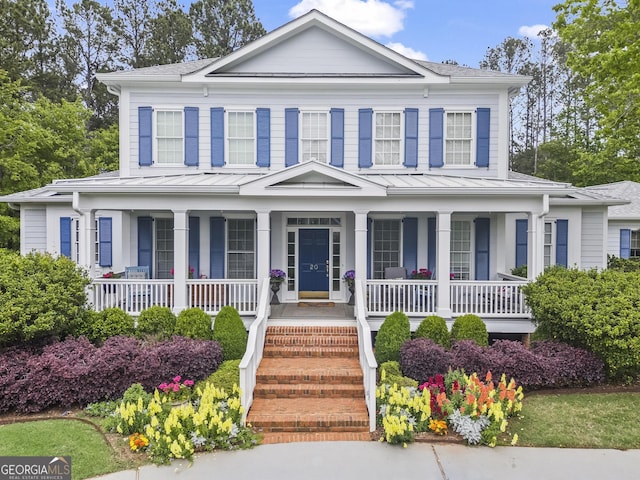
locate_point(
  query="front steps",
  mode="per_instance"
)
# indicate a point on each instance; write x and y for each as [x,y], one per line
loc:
[309,386]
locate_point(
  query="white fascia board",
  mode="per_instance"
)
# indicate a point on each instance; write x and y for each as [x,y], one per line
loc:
[517,81]
[138,189]
[587,202]
[456,191]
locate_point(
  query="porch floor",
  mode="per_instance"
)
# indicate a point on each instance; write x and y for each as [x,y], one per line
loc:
[310,313]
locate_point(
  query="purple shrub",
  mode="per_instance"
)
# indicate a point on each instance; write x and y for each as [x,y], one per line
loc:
[518,362]
[571,366]
[13,372]
[423,358]
[467,355]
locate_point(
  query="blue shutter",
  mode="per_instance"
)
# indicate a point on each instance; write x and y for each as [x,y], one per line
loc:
[411,137]
[216,247]
[337,137]
[521,242]
[562,242]
[290,136]
[369,244]
[263,137]
[431,243]
[65,236]
[145,243]
[625,243]
[105,241]
[194,245]
[191,136]
[217,137]
[145,136]
[365,138]
[436,137]
[410,243]
[483,122]
[483,228]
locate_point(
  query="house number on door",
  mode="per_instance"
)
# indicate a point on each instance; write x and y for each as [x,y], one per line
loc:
[313,266]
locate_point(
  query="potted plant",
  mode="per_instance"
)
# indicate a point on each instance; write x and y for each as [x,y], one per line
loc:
[421,274]
[277,276]
[350,278]
[108,288]
[177,392]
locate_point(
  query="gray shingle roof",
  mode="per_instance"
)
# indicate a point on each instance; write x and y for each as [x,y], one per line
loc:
[626,190]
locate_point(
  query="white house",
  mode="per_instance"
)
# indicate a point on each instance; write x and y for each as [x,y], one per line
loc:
[316,150]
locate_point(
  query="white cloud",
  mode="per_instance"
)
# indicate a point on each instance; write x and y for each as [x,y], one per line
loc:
[371,17]
[531,31]
[407,51]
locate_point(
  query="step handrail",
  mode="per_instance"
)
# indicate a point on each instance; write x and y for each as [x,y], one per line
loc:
[255,349]
[365,352]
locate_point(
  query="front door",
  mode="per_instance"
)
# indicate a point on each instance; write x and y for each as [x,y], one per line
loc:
[314,263]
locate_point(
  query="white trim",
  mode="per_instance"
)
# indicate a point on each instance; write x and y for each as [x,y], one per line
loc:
[301,112]
[227,150]
[155,149]
[474,134]
[401,113]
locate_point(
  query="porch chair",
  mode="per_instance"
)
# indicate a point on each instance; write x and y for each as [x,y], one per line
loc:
[137,294]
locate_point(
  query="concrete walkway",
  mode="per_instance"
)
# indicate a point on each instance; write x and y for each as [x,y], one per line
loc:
[374,460]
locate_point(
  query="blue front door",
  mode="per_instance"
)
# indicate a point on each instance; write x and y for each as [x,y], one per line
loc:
[314,260]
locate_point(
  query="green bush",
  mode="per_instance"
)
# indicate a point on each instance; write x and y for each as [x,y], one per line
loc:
[40,297]
[434,328]
[394,331]
[109,323]
[230,332]
[597,311]
[134,392]
[227,375]
[194,323]
[393,375]
[623,264]
[156,321]
[520,271]
[470,327]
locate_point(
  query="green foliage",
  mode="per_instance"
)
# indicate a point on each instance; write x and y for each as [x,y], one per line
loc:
[434,328]
[41,296]
[594,310]
[394,331]
[194,323]
[470,327]
[134,392]
[156,321]
[520,271]
[623,264]
[109,323]
[393,375]
[227,375]
[230,332]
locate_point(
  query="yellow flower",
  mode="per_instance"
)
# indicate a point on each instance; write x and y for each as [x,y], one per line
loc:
[514,440]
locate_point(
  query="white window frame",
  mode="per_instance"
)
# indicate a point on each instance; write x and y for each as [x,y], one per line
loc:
[301,139]
[551,246]
[380,274]
[156,138]
[228,250]
[156,224]
[473,139]
[636,240]
[227,137]
[375,139]
[470,251]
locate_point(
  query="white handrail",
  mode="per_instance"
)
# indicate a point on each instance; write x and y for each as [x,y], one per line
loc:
[413,297]
[133,296]
[255,348]
[365,352]
[489,298]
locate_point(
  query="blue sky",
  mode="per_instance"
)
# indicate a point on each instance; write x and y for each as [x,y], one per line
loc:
[433,29]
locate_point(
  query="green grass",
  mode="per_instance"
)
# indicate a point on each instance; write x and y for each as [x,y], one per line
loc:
[90,454]
[595,420]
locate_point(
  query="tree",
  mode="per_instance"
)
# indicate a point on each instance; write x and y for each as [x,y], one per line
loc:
[132,29]
[222,26]
[171,38]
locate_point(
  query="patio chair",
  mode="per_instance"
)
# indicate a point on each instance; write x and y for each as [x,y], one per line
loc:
[137,295]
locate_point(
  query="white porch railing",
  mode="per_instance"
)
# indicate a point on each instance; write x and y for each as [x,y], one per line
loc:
[255,348]
[211,295]
[488,299]
[132,296]
[413,297]
[365,351]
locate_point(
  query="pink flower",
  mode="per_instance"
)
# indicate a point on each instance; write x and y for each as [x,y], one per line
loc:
[176,387]
[188,383]
[177,378]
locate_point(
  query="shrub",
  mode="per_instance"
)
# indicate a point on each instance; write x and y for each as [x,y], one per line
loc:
[467,355]
[470,327]
[393,375]
[571,366]
[230,332]
[394,331]
[623,264]
[41,297]
[518,362]
[194,323]
[423,358]
[111,322]
[159,322]
[225,377]
[434,328]
[596,311]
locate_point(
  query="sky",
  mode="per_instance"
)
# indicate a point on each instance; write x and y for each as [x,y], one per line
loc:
[434,30]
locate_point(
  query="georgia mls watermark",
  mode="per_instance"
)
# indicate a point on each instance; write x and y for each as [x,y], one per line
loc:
[35,468]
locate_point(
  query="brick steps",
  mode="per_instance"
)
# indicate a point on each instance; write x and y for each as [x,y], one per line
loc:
[309,386]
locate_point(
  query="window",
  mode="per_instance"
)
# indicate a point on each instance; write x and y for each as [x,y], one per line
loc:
[169,136]
[461,249]
[386,246]
[387,138]
[241,137]
[164,247]
[458,138]
[75,226]
[548,244]
[635,243]
[241,248]
[96,241]
[314,138]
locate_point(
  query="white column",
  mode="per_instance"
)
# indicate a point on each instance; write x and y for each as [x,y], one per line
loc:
[361,226]
[501,243]
[535,245]
[87,235]
[263,246]
[443,263]
[180,259]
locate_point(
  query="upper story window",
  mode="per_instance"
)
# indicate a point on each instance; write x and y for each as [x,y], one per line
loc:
[458,138]
[241,138]
[387,138]
[169,137]
[314,136]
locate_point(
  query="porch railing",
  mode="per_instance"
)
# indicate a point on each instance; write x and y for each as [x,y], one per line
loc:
[211,295]
[410,296]
[488,299]
[133,296]
[255,348]
[365,351]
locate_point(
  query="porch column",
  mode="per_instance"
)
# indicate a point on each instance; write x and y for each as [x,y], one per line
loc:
[501,243]
[87,246]
[180,259]
[361,246]
[443,264]
[535,240]
[263,246]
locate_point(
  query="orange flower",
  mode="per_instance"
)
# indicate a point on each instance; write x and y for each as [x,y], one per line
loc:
[489,377]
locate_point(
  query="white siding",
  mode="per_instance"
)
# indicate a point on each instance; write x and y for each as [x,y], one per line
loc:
[613,234]
[593,242]
[33,226]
